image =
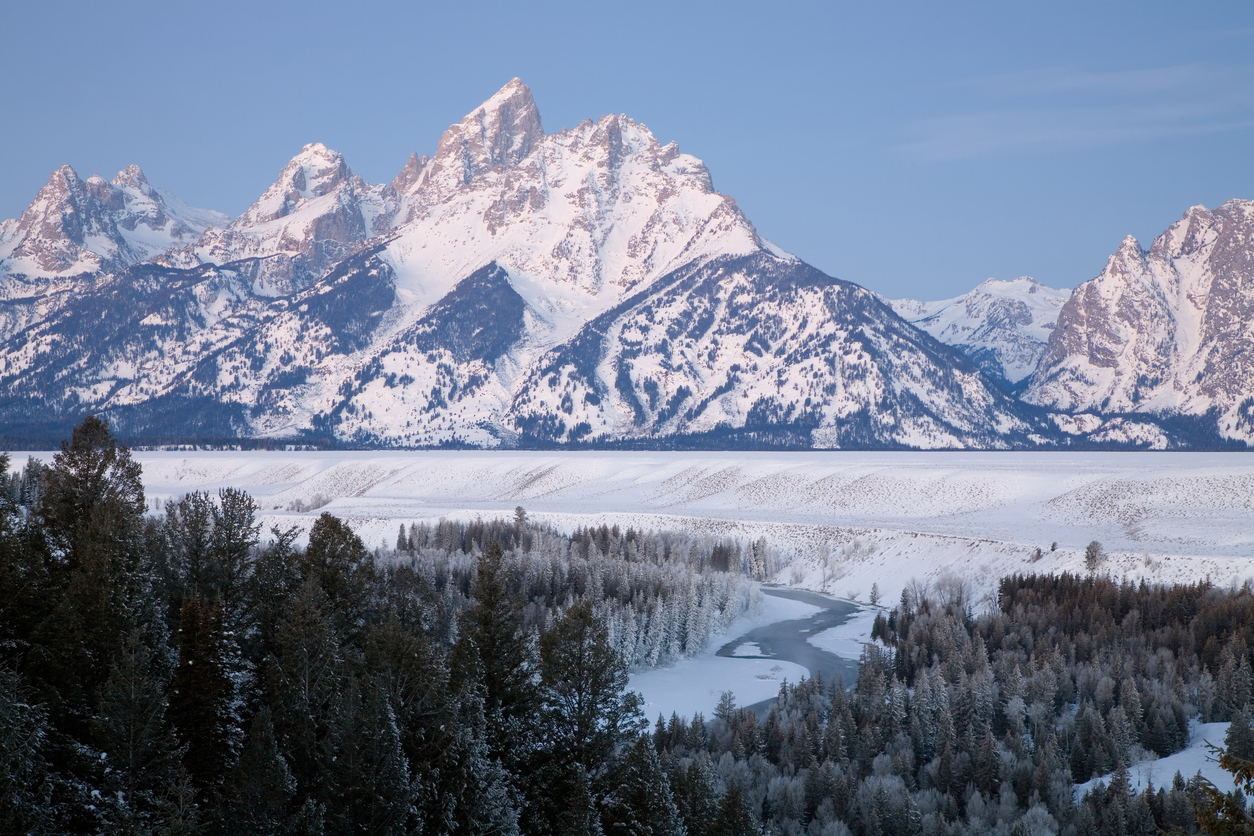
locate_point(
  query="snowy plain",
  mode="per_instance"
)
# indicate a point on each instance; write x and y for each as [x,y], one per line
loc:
[836,522]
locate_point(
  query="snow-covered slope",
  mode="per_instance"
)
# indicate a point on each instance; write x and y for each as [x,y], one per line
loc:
[755,342]
[1004,326]
[1163,332]
[578,218]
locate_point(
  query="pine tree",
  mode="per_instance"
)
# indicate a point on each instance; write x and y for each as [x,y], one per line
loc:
[24,790]
[260,783]
[367,787]
[236,534]
[344,568]
[91,510]
[586,713]
[640,803]
[694,797]
[304,678]
[93,490]
[493,626]
[733,816]
[130,727]
[202,693]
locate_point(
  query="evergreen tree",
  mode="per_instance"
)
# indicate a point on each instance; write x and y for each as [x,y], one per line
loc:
[694,797]
[586,713]
[131,729]
[260,784]
[368,788]
[24,791]
[344,569]
[640,803]
[733,816]
[201,695]
[96,585]
[92,495]
[493,626]
[304,678]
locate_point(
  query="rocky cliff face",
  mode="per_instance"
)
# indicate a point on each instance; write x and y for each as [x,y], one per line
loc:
[1165,331]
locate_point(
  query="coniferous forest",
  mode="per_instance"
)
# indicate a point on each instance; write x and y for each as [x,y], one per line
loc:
[181,673]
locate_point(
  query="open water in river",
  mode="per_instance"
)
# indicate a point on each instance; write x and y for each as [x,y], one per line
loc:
[787,640]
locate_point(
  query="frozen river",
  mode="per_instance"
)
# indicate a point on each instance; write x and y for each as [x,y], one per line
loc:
[797,634]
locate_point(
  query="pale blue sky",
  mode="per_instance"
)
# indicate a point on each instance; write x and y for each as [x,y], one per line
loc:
[914,148]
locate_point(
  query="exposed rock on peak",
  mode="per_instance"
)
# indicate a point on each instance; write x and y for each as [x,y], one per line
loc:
[409,175]
[1164,331]
[497,135]
[315,172]
[500,132]
[132,176]
[315,215]
[92,226]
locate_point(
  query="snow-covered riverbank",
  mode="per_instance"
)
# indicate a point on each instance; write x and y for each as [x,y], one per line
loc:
[697,683]
[1196,757]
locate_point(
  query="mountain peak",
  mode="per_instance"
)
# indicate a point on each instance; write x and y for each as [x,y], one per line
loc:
[316,171]
[132,175]
[410,173]
[500,132]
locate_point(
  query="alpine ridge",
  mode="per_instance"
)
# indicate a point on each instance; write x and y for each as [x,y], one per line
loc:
[1004,326]
[1164,332]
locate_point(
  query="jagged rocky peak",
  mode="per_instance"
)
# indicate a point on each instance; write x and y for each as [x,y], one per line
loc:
[316,214]
[77,226]
[1163,330]
[498,134]
[315,172]
[410,173]
[600,208]
[49,237]
[133,177]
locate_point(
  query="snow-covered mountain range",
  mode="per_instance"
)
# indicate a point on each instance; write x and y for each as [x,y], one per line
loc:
[589,286]
[1004,326]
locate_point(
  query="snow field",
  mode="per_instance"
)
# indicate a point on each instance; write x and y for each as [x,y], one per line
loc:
[696,684]
[846,640]
[1188,762]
